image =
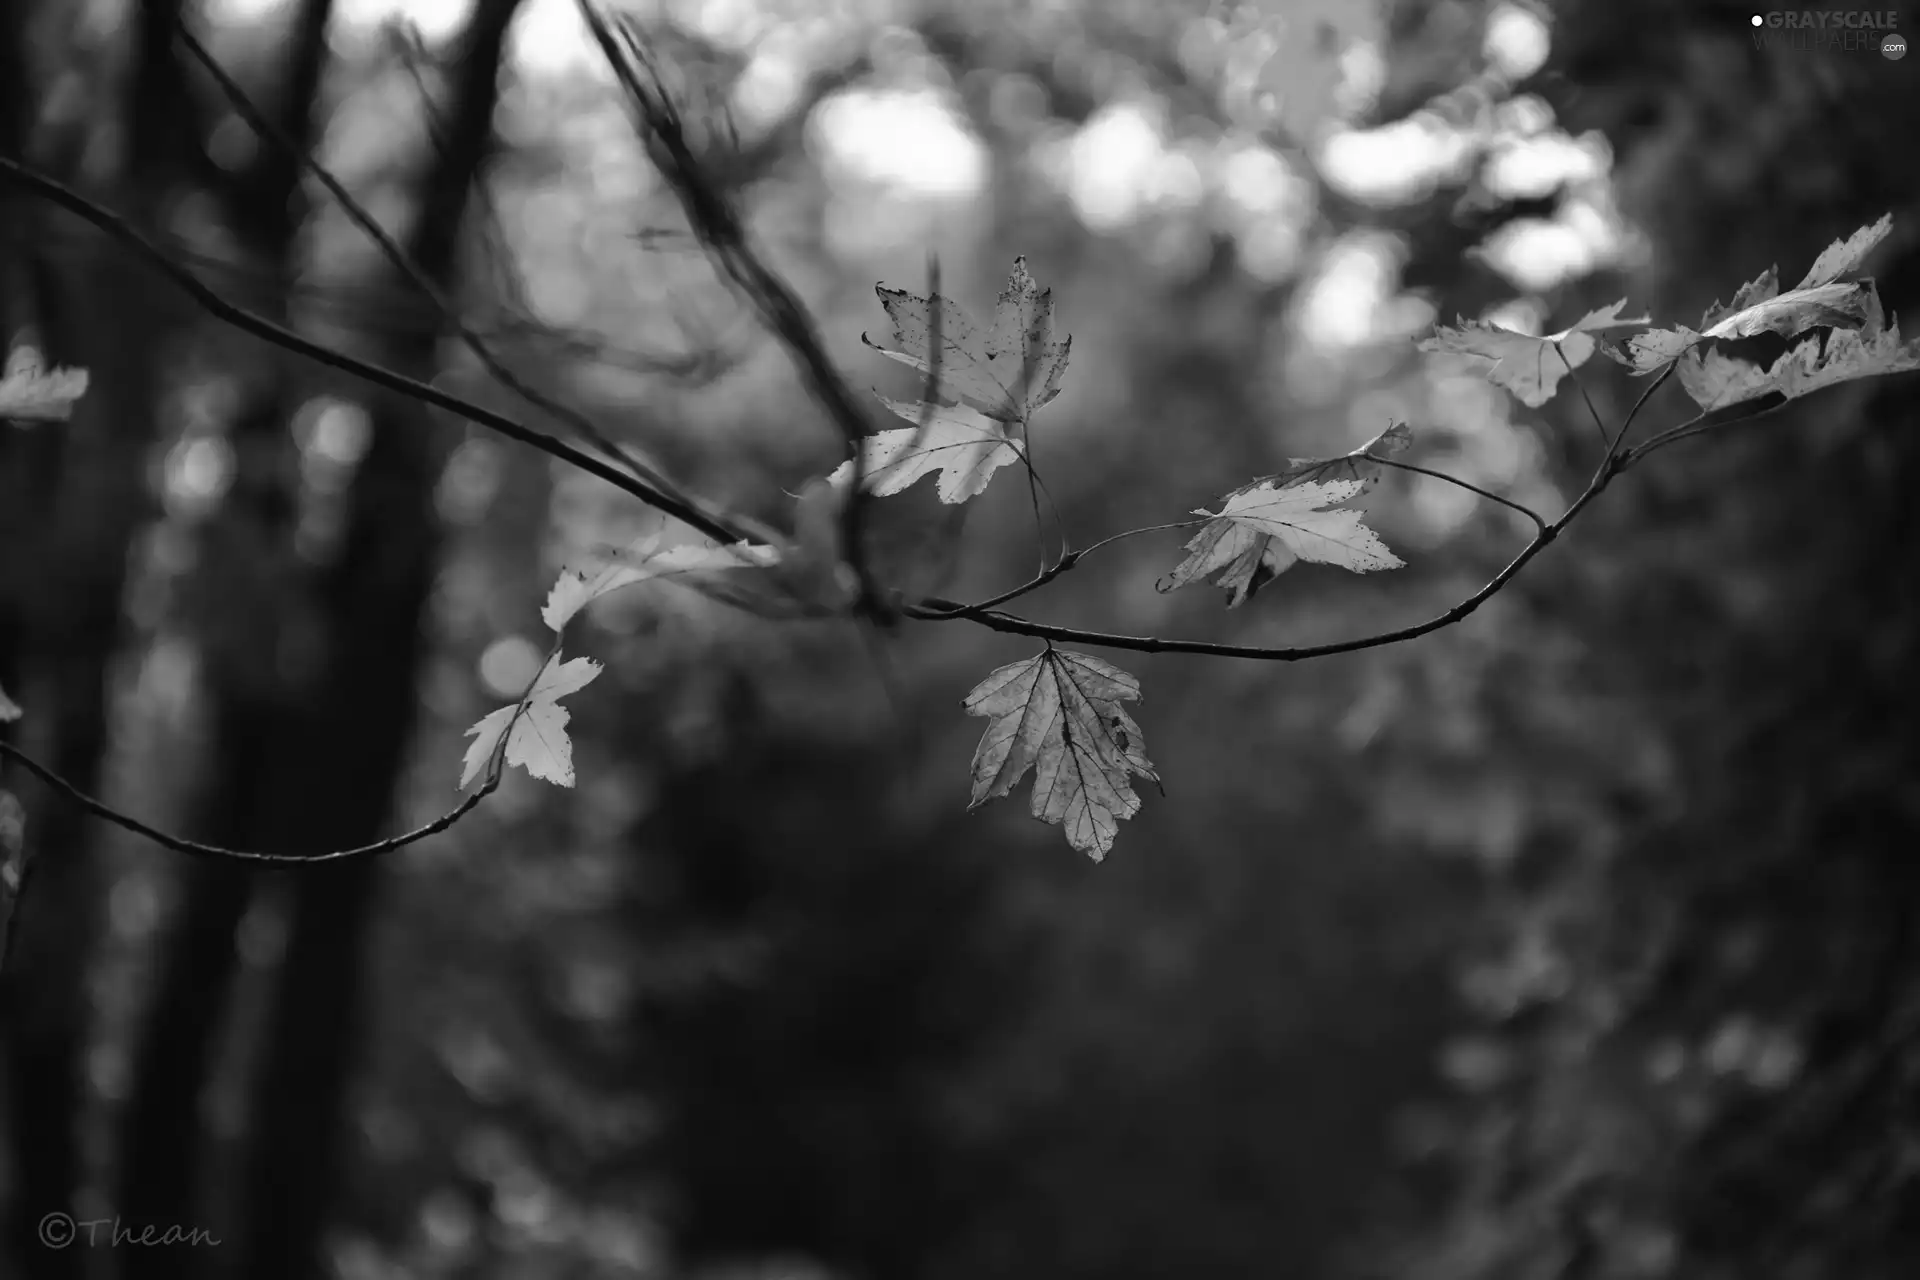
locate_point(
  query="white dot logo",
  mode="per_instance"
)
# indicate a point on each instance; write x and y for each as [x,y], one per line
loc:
[1895,47]
[1757,19]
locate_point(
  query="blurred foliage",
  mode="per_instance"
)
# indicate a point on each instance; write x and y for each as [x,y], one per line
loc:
[1569,941]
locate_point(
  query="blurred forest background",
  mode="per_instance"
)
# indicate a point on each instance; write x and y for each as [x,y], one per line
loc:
[1572,941]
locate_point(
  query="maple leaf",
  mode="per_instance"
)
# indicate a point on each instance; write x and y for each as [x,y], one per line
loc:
[1843,256]
[1264,528]
[1820,301]
[1530,366]
[1835,305]
[1006,371]
[29,394]
[959,443]
[536,736]
[1716,380]
[1059,714]
[804,569]
[1648,352]
[1357,465]
[9,709]
[574,590]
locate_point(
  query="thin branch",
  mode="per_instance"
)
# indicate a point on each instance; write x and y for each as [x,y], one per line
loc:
[1013,624]
[1620,437]
[1068,560]
[715,525]
[729,529]
[1539,524]
[723,529]
[718,224]
[396,256]
[105,812]
[1702,423]
[1598,424]
[496,768]
[379,308]
[1673,435]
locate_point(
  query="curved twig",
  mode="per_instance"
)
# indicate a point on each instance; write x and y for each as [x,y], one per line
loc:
[396,256]
[118,228]
[107,813]
[1539,524]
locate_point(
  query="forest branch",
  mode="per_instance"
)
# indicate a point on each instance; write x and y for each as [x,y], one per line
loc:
[778,306]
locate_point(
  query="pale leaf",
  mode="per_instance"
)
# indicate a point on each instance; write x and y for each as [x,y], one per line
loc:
[1021,345]
[1245,559]
[1357,465]
[1264,529]
[1656,348]
[1836,305]
[537,738]
[804,568]
[1764,286]
[575,590]
[1059,714]
[31,394]
[1005,371]
[1843,256]
[960,444]
[1820,301]
[1304,519]
[1716,380]
[1530,366]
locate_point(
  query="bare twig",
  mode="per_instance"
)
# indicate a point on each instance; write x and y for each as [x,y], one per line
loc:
[733,528]
[496,766]
[1539,524]
[714,219]
[1620,437]
[995,620]
[1598,425]
[714,524]
[396,256]
[107,813]
[719,227]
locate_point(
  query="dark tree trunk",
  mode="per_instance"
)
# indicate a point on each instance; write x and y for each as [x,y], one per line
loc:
[71,588]
[329,782]
[245,555]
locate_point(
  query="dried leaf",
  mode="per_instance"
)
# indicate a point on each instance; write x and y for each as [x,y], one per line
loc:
[1006,371]
[1530,366]
[1059,713]
[1348,466]
[960,444]
[538,740]
[1820,301]
[1264,529]
[29,394]
[1716,380]
[1843,256]
[573,591]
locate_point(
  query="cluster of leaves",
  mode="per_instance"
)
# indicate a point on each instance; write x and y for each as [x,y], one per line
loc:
[1057,713]
[1060,713]
[1831,322]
